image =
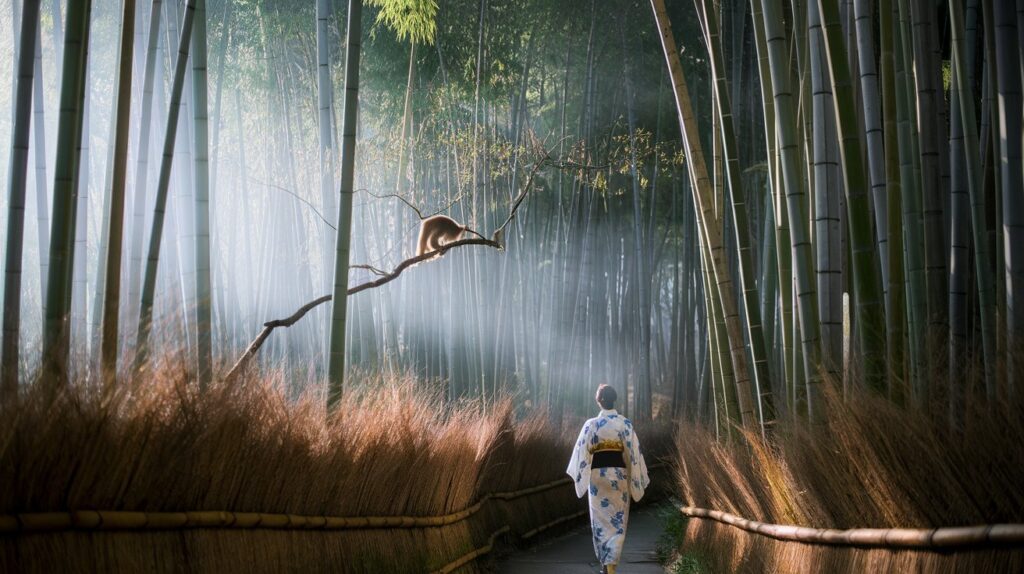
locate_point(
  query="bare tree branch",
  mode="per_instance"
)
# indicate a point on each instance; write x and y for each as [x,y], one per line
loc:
[545,159]
[399,198]
[369,268]
[269,326]
[296,196]
[419,212]
[522,194]
[420,258]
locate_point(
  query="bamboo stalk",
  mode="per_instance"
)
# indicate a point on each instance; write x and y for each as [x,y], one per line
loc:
[943,538]
[867,284]
[16,202]
[710,225]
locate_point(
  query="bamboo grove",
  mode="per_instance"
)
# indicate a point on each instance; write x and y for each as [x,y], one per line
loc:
[729,204]
[892,186]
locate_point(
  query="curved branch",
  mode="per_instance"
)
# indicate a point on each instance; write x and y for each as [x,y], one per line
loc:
[399,198]
[296,196]
[369,268]
[522,194]
[419,213]
[386,277]
[544,159]
[418,259]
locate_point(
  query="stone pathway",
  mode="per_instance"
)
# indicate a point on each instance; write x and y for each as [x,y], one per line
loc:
[573,553]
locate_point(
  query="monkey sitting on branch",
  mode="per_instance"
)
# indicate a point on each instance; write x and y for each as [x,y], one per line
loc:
[436,232]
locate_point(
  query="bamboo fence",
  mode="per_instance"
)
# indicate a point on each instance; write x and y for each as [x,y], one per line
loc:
[114,520]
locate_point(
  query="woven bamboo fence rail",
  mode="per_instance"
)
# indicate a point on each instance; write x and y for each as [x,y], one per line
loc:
[108,520]
[945,538]
[125,520]
[471,556]
[14,524]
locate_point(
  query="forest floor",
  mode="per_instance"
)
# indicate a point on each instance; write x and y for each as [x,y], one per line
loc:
[573,553]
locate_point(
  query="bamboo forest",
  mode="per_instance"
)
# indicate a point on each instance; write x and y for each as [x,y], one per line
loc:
[512,286]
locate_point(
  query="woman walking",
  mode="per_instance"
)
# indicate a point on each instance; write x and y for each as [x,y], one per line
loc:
[607,464]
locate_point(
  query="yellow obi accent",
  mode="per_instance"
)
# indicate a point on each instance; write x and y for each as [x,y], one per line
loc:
[612,445]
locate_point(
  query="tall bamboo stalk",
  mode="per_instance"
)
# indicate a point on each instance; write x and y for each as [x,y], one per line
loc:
[874,136]
[932,144]
[979,231]
[895,321]
[781,229]
[56,334]
[1009,89]
[867,285]
[914,218]
[17,182]
[959,253]
[741,225]
[138,226]
[201,175]
[112,269]
[913,237]
[822,147]
[325,106]
[643,381]
[163,184]
[796,203]
[39,141]
[711,227]
[336,363]
[726,402]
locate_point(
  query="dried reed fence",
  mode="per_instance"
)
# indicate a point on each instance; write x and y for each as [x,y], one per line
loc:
[158,477]
[873,464]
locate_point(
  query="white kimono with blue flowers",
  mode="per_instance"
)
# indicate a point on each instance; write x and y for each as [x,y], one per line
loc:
[610,489]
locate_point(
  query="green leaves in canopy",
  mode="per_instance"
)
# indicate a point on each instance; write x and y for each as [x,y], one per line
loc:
[413,20]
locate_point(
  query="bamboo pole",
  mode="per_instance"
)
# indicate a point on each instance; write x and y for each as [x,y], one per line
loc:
[741,225]
[943,538]
[201,212]
[805,294]
[16,202]
[163,183]
[867,284]
[115,230]
[56,332]
[983,273]
[336,361]
[711,226]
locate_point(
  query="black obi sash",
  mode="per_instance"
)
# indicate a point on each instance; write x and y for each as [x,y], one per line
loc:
[608,459]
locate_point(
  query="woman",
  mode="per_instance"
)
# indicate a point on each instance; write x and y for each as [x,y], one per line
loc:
[607,463]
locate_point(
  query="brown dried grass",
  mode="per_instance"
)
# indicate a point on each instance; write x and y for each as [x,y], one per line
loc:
[157,444]
[871,465]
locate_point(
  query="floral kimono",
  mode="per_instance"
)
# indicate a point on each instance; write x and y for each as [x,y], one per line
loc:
[610,487]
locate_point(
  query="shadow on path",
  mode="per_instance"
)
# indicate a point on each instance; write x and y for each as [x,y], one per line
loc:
[573,553]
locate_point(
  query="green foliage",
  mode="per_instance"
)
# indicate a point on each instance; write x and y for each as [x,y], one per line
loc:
[670,551]
[673,532]
[413,20]
[690,563]
[666,155]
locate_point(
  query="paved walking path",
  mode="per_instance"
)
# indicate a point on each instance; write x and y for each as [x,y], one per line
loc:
[573,553]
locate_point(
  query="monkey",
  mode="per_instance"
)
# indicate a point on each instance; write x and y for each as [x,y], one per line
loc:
[437,231]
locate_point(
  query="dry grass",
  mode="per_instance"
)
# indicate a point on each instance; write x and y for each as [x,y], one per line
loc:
[871,465]
[393,448]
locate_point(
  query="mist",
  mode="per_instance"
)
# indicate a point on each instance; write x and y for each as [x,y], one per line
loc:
[548,318]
